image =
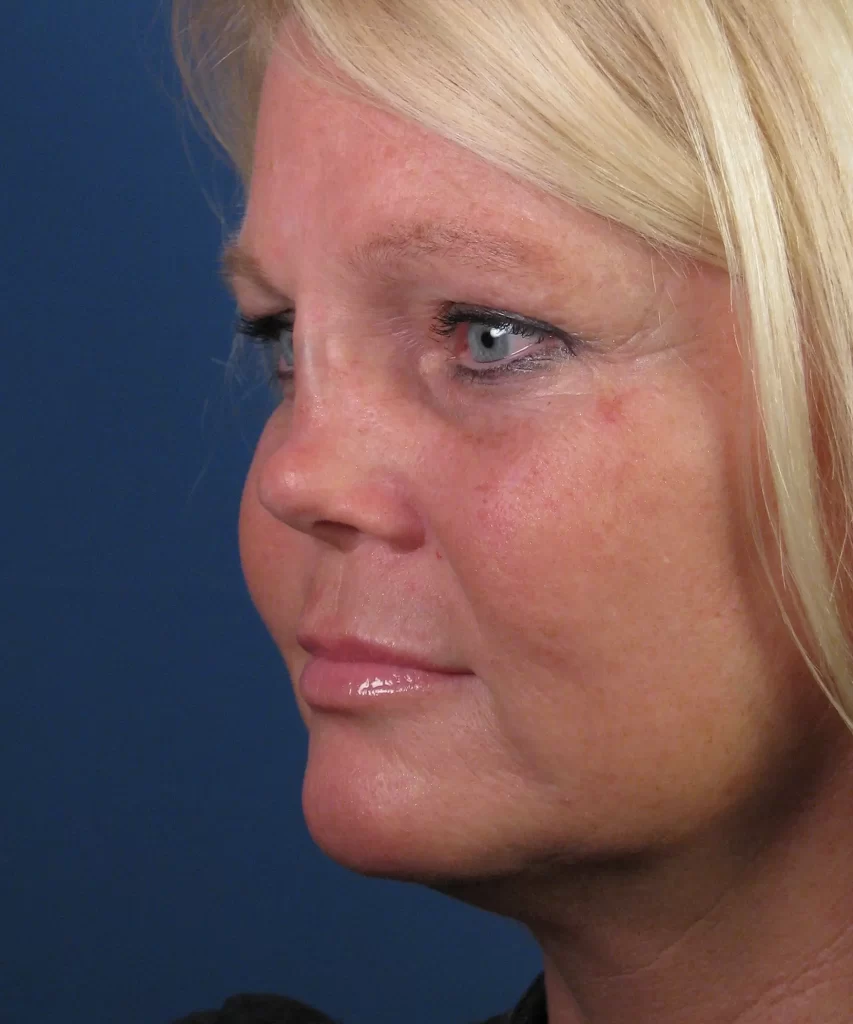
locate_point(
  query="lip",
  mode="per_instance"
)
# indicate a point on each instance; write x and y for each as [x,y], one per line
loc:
[347,648]
[352,674]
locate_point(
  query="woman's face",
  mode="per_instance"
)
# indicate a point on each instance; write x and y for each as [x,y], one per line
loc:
[566,537]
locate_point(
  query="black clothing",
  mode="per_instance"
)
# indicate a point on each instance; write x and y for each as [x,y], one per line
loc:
[531,1009]
[261,1009]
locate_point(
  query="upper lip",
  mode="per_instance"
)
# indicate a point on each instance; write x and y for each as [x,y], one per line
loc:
[348,647]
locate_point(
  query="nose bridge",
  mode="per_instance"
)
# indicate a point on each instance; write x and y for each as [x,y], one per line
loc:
[349,381]
[349,399]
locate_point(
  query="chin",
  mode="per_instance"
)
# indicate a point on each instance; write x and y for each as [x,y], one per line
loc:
[372,823]
[380,816]
[380,831]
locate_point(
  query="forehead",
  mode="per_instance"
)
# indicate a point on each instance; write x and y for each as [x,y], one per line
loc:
[332,168]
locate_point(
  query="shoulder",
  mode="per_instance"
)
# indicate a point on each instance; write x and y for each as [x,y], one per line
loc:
[269,1009]
[530,1010]
[258,1009]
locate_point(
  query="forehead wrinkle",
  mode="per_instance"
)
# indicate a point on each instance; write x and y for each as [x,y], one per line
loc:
[425,240]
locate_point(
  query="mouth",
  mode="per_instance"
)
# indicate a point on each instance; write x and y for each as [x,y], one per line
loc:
[347,673]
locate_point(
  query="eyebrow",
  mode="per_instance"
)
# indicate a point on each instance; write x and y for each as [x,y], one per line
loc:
[381,253]
[237,261]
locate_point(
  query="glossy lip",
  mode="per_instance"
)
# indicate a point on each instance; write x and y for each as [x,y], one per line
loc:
[348,674]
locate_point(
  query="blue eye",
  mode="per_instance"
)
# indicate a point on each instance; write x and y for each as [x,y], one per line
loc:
[500,343]
[490,344]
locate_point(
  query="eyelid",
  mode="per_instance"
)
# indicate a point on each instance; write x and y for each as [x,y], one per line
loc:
[448,318]
[453,314]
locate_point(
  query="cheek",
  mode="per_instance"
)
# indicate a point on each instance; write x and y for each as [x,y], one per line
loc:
[605,568]
[587,517]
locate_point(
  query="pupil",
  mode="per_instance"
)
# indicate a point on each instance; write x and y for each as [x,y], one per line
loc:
[488,339]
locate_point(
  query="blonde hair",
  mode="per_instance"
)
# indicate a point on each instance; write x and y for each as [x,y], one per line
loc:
[720,129]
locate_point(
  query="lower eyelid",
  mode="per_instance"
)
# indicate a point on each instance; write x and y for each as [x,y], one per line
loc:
[522,365]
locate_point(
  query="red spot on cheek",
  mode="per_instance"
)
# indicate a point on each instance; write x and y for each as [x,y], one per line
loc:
[438,555]
[610,408]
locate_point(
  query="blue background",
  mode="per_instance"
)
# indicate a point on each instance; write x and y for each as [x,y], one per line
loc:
[153,857]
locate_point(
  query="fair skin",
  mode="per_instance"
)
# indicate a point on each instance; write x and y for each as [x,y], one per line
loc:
[633,760]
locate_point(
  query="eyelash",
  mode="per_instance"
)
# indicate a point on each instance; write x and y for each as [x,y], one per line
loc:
[266,331]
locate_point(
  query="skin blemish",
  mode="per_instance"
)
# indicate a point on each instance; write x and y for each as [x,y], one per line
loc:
[610,408]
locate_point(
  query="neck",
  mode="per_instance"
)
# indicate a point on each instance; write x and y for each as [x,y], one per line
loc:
[750,923]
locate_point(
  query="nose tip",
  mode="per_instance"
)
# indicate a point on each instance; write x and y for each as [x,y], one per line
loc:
[325,490]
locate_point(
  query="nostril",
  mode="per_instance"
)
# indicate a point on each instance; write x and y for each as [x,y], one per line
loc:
[340,535]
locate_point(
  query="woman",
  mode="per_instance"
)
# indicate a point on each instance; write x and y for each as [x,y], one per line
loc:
[550,521]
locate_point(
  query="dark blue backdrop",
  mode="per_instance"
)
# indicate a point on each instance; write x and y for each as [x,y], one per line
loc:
[153,857]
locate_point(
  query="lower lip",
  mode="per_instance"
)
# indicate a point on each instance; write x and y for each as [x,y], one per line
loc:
[346,685]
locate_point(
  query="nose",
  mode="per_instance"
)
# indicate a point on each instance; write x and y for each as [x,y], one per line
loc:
[340,470]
